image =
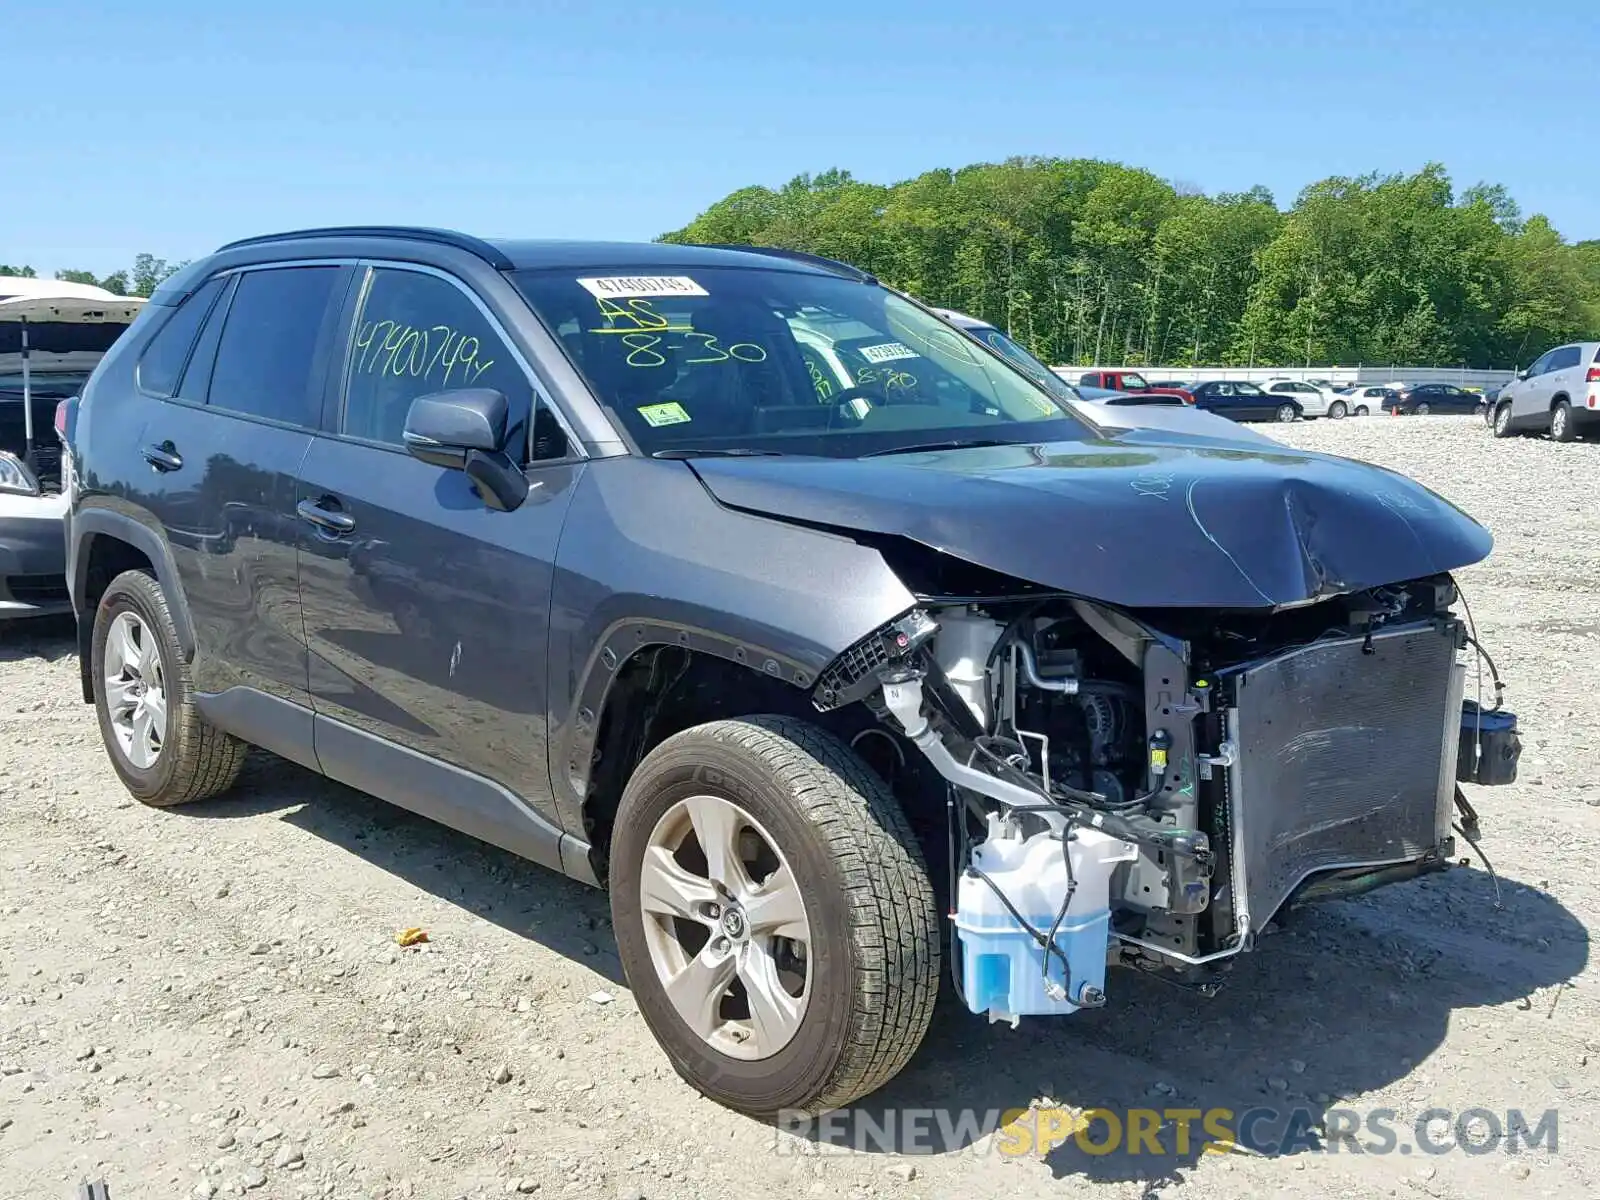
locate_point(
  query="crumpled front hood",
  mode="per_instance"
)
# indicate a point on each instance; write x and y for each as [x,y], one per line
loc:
[1141,519]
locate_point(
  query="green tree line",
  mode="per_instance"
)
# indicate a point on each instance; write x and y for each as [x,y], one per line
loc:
[1096,262]
[141,279]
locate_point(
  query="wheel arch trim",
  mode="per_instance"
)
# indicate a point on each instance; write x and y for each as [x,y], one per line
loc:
[571,753]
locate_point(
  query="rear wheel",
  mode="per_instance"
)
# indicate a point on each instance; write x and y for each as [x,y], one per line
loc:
[159,745]
[773,915]
[1287,412]
[1337,410]
[1562,427]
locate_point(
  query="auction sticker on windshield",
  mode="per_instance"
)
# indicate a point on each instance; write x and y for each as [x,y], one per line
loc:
[657,415]
[624,287]
[887,352]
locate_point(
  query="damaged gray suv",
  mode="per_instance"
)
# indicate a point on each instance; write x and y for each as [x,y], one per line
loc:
[752,590]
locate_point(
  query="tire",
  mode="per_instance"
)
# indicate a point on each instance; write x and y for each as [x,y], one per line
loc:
[1361,410]
[1562,427]
[1422,409]
[1337,410]
[872,932]
[1286,413]
[192,760]
[1501,425]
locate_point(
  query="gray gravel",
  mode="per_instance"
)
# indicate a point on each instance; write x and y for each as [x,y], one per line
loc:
[252,1028]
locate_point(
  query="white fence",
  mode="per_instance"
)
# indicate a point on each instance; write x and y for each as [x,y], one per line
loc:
[1460,376]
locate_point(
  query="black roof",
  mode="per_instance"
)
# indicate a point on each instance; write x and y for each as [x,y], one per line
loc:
[509,254]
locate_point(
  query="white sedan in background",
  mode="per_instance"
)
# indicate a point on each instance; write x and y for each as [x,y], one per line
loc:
[1313,400]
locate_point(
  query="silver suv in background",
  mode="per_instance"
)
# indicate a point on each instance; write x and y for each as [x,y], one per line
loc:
[1559,394]
[52,334]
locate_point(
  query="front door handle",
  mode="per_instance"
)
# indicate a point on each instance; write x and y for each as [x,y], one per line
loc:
[330,519]
[164,457]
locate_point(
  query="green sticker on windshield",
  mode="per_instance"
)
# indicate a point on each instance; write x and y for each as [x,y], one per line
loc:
[657,415]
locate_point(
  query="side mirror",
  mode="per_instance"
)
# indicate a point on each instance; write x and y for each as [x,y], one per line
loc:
[443,426]
[1522,374]
[465,430]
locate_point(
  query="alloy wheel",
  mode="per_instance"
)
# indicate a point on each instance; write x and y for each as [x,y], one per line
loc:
[726,927]
[136,694]
[1286,412]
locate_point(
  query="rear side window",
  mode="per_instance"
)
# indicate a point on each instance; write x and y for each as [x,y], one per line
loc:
[197,375]
[162,363]
[265,360]
[1567,356]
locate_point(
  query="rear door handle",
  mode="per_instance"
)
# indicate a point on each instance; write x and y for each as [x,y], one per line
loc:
[164,457]
[319,514]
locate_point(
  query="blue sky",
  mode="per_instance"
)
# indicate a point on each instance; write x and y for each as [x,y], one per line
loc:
[174,125]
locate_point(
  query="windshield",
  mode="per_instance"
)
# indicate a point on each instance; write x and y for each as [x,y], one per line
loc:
[1036,370]
[799,363]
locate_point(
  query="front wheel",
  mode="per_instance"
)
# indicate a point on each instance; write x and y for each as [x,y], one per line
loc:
[773,916]
[1287,413]
[1337,410]
[1422,409]
[1502,421]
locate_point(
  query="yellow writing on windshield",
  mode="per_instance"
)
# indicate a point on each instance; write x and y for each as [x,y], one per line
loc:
[645,328]
[639,315]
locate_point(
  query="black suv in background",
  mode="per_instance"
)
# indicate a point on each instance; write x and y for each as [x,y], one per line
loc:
[721,577]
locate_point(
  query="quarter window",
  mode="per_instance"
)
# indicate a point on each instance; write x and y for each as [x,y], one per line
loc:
[163,359]
[265,360]
[418,334]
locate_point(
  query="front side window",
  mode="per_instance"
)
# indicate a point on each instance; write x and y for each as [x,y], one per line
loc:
[265,359]
[724,358]
[417,334]
[161,364]
[1133,379]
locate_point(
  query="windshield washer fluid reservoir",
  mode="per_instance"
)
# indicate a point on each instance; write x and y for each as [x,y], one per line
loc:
[1002,962]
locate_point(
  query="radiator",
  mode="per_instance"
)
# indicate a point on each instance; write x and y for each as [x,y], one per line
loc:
[1346,756]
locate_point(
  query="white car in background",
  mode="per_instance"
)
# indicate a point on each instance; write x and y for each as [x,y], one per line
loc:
[1314,401]
[51,336]
[1559,395]
[1365,399]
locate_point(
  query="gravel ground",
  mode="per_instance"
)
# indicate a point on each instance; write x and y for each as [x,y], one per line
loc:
[211,1000]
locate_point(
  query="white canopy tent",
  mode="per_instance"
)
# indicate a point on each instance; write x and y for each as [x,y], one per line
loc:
[48,305]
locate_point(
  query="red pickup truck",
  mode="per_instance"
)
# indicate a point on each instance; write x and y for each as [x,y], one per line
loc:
[1131,381]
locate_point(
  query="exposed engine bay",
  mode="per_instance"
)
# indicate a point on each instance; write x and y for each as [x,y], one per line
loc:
[1153,787]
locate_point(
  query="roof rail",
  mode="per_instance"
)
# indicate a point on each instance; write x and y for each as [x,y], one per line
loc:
[443,237]
[832,265]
